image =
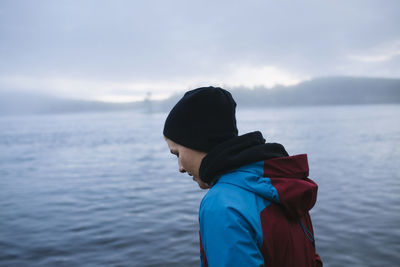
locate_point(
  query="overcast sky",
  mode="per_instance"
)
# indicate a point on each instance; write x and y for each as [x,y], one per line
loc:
[120,50]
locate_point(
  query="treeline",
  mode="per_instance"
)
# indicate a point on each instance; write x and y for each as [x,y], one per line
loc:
[321,91]
[324,91]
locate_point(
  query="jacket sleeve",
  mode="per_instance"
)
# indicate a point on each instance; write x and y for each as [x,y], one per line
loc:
[227,238]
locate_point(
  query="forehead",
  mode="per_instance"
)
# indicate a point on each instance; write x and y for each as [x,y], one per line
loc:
[171,144]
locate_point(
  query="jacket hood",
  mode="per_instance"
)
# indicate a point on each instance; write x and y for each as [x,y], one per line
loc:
[277,177]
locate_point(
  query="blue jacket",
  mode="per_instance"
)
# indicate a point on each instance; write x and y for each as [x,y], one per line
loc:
[257,215]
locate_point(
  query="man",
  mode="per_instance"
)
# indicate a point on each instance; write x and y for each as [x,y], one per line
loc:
[256,211]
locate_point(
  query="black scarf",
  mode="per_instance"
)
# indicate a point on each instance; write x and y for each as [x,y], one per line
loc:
[237,152]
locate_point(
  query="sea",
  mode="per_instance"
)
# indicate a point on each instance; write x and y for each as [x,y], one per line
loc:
[102,189]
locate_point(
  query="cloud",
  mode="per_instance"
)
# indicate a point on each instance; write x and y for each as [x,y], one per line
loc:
[266,76]
[380,53]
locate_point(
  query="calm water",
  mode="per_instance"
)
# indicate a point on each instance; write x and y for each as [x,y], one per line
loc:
[103,189]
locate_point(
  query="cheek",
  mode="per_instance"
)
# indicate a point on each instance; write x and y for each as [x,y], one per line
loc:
[186,163]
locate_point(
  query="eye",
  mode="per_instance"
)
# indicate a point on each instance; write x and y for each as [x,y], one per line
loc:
[175,153]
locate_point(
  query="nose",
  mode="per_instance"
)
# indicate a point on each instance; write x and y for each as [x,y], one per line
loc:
[181,169]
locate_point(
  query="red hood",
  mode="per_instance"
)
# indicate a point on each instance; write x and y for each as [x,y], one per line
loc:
[297,194]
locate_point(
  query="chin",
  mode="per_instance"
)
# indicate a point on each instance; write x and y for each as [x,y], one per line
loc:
[203,186]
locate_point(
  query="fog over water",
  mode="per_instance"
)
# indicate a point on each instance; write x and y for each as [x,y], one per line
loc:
[102,189]
[318,91]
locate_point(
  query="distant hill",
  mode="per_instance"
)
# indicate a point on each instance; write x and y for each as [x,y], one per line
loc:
[320,91]
[324,91]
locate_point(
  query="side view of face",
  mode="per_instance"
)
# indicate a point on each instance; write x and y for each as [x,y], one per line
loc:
[189,160]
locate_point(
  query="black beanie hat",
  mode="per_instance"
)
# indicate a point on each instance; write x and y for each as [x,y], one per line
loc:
[202,119]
